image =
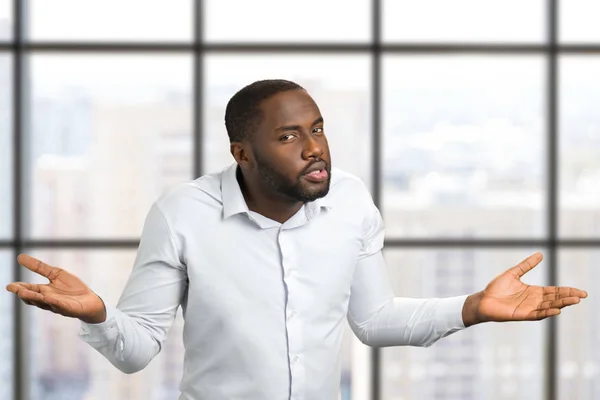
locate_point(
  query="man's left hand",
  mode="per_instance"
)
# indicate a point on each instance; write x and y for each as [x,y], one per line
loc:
[506,298]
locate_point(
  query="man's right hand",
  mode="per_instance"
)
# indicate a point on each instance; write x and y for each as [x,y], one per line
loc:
[65,294]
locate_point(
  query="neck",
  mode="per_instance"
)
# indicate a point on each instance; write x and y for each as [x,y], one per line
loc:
[273,206]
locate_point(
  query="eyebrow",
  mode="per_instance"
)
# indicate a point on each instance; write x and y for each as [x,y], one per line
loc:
[285,128]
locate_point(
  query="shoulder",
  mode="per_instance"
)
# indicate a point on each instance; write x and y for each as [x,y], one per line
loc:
[198,195]
[347,188]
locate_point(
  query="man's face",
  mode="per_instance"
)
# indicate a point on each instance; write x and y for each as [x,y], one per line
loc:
[290,148]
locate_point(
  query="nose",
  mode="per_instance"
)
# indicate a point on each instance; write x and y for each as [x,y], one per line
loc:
[312,148]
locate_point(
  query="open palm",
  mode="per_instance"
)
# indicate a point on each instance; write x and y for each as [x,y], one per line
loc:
[506,298]
[64,294]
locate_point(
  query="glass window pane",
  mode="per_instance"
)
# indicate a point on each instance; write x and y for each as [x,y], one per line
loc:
[579,204]
[579,328]
[507,21]
[487,361]
[110,20]
[578,21]
[6,19]
[109,135]
[6,326]
[356,367]
[6,146]
[339,84]
[287,21]
[64,367]
[463,146]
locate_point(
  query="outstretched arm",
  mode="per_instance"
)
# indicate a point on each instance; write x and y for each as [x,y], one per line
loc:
[379,318]
[135,329]
[376,315]
[130,334]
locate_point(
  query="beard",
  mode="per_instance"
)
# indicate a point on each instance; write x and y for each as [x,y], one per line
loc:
[297,189]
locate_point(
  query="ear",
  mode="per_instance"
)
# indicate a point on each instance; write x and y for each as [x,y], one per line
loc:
[242,153]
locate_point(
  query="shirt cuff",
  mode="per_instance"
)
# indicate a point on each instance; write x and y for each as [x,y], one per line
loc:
[449,313]
[105,330]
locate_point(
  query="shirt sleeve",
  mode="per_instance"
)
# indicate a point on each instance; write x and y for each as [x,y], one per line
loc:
[372,226]
[378,317]
[135,328]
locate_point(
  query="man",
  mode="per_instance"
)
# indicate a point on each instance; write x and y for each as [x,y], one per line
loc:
[267,259]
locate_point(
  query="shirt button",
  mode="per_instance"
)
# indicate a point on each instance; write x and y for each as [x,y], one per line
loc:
[292,314]
[295,359]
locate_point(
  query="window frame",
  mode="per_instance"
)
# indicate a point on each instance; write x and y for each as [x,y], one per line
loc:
[19,48]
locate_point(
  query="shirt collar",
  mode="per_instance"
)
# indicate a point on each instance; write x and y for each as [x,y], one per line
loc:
[234,202]
[233,199]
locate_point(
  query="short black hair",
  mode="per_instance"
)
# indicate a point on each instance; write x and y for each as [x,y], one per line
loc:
[243,114]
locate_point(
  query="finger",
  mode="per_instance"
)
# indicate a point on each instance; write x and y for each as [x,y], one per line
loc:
[542,314]
[526,265]
[573,292]
[38,266]
[36,299]
[554,293]
[15,286]
[29,295]
[42,305]
[559,303]
[38,304]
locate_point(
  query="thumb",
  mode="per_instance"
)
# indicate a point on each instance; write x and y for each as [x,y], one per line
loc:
[526,265]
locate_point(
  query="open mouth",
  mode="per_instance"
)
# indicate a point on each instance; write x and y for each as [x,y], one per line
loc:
[318,175]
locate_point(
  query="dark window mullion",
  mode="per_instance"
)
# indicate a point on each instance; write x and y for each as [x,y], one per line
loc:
[294,47]
[376,158]
[552,342]
[19,362]
[491,243]
[132,243]
[198,85]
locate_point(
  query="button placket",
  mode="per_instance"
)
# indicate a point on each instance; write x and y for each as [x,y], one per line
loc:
[291,313]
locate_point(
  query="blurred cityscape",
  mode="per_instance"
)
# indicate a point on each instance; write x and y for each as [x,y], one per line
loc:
[460,159]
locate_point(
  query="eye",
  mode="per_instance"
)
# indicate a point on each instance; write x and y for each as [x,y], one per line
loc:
[286,138]
[318,130]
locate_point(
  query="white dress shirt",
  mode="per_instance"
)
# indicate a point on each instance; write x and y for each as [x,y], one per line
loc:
[264,303]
